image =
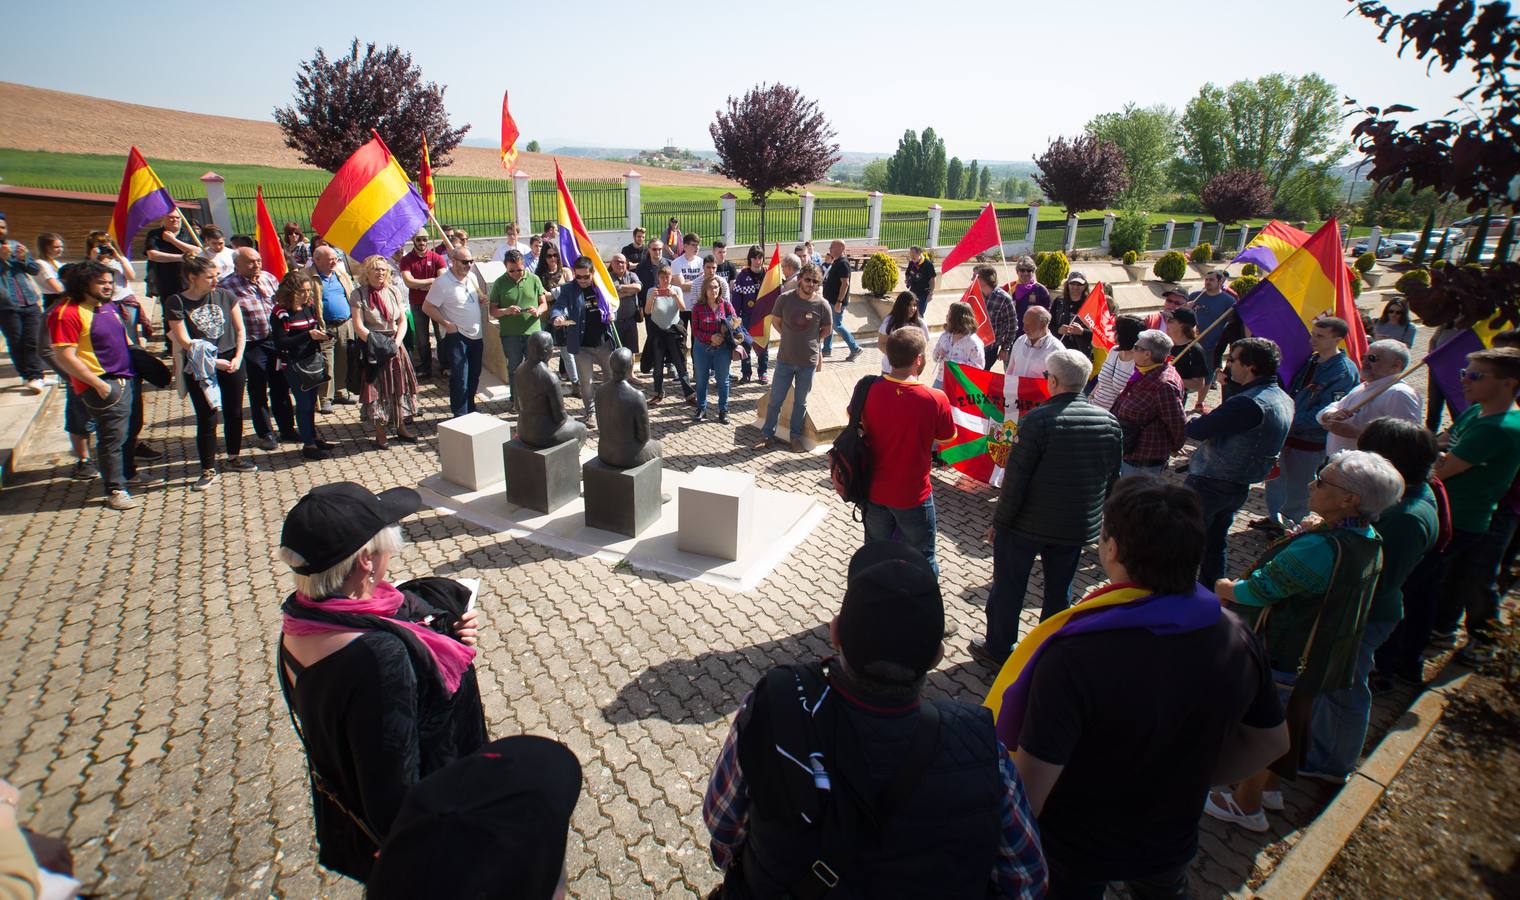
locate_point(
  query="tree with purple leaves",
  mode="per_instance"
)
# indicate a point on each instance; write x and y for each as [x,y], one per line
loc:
[773,139]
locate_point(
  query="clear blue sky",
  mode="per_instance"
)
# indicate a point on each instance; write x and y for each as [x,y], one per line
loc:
[996,79]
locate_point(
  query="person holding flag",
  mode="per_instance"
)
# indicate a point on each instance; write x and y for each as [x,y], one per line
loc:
[579,308]
[746,293]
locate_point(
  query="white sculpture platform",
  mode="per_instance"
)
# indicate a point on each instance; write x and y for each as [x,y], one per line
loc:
[782,521]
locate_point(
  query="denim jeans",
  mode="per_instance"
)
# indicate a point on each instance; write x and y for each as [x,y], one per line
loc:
[762,357]
[587,360]
[1339,723]
[1012,562]
[913,525]
[306,407]
[1288,493]
[267,390]
[114,448]
[705,360]
[839,329]
[463,356]
[23,328]
[515,348]
[1126,469]
[1220,500]
[781,381]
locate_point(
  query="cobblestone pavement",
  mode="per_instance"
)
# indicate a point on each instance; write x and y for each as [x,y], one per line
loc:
[143,720]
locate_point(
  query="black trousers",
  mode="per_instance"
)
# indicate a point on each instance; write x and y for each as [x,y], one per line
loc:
[231,384]
[267,390]
[668,348]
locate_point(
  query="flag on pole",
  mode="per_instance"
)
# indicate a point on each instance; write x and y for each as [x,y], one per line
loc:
[1310,284]
[425,178]
[576,242]
[270,249]
[673,239]
[1272,245]
[984,429]
[973,297]
[509,135]
[1099,320]
[765,300]
[1447,361]
[982,236]
[369,207]
[142,199]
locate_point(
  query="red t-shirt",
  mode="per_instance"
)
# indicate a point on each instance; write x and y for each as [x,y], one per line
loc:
[426,265]
[902,421]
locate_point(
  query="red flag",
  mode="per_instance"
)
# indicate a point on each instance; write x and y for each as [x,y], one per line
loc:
[982,236]
[1099,319]
[425,177]
[973,296]
[267,238]
[508,136]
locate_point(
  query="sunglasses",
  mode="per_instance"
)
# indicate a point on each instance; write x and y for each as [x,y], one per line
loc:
[1472,375]
[1021,269]
[582,276]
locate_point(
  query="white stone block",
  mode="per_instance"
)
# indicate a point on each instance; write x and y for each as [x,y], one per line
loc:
[717,512]
[469,447]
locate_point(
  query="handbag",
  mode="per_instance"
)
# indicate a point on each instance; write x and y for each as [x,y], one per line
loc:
[311,371]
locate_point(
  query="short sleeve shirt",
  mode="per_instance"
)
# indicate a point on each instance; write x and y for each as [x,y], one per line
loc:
[207,319]
[98,334]
[902,420]
[1491,445]
[836,284]
[526,294]
[800,323]
[426,265]
[459,302]
[167,277]
[691,270]
[1192,364]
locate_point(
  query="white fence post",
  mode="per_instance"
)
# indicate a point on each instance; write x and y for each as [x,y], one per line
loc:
[730,213]
[522,208]
[1374,238]
[1034,225]
[935,211]
[1218,235]
[634,211]
[1171,229]
[873,222]
[216,193]
[807,217]
[1197,233]
[1245,231]
[1108,229]
[1070,243]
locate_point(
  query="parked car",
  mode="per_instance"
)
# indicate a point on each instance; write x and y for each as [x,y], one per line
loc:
[1385,248]
[1494,222]
[1454,238]
[1404,241]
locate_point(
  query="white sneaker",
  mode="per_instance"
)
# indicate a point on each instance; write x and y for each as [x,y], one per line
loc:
[123,500]
[1223,807]
[1272,800]
[36,385]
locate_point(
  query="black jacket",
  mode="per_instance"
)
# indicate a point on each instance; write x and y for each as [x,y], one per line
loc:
[1065,458]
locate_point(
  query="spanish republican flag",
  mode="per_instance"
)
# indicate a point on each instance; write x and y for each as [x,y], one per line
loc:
[509,134]
[370,207]
[765,300]
[270,249]
[575,242]
[425,178]
[142,199]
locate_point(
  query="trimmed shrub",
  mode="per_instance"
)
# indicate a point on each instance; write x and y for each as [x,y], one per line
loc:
[1242,285]
[1170,267]
[879,276]
[1053,269]
[1130,232]
[1365,262]
[1250,269]
[1356,283]
[1202,253]
[1412,278]
[1131,257]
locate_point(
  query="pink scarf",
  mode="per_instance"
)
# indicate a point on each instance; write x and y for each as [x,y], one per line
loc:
[451,656]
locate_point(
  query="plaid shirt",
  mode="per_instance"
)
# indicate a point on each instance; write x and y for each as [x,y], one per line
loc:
[707,320]
[1019,870]
[256,299]
[1150,407]
[1005,325]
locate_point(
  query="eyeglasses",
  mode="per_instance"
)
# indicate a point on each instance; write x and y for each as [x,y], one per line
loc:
[1473,375]
[1023,269]
[1322,481]
[582,276]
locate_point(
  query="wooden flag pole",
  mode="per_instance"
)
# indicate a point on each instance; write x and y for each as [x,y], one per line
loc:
[1373,395]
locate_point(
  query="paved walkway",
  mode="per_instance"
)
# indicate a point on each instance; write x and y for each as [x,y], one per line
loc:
[143,719]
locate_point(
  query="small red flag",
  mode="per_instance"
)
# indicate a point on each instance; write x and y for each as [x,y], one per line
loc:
[973,296]
[425,177]
[1098,319]
[982,236]
[509,134]
[270,250]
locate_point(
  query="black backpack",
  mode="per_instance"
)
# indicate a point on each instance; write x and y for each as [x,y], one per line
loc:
[849,463]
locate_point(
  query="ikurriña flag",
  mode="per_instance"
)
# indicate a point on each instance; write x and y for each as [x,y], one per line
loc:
[271,251]
[984,429]
[142,199]
[369,207]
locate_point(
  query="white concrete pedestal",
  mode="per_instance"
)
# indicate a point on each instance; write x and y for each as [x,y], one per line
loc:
[716,512]
[469,448]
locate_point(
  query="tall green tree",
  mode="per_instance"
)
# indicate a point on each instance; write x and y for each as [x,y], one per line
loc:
[1009,188]
[984,184]
[973,181]
[874,176]
[954,178]
[903,166]
[932,178]
[1147,136]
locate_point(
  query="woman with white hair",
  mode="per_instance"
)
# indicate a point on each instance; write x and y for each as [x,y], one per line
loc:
[1310,595]
[379,679]
[379,305]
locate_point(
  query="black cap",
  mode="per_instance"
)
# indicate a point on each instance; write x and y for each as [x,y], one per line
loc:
[492,824]
[1076,276]
[334,521]
[1175,290]
[893,610]
[1185,316]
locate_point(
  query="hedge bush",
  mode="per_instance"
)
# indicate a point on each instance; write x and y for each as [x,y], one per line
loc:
[1413,277]
[1170,267]
[1356,283]
[1365,262]
[879,276]
[1242,285]
[1250,269]
[1053,269]
[1131,257]
[1130,232]
[1202,253]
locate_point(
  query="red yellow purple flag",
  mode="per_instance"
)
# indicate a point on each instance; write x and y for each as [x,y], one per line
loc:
[142,199]
[765,300]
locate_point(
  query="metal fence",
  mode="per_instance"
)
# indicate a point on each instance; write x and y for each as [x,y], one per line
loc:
[1089,234]
[602,204]
[705,220]
[783,223]
[954,223]
[285,202]
[1049,234]
[840,217]
[905,228]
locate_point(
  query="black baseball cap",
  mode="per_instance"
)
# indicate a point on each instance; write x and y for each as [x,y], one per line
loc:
[1185,316]
[893,610]
[492,824]
[334,521]
[1175,290]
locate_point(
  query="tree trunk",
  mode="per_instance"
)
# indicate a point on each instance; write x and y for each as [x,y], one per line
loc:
[762,223]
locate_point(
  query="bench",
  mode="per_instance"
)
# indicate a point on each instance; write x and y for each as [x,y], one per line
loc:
[857,256]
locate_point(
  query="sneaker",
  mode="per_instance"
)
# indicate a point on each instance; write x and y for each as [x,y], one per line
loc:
[1222,806]
[722,418]
[145,450]
[763,379]
[1272,800]
[123,500]
[743,379]
[326,407]
[314,453]
[699,415]
[344,399]
[854,355]
[266,442]
[36,386]
[982,654]
[951,629]
[84,470]
[145,479]
[240,464]
[207,479]
[51,379]
[1441,641]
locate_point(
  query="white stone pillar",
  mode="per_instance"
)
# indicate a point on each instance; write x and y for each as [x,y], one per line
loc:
[216,193]
[1245,231]
[1108,229]
[1218,235]
[1197,232]
[1372,239]
[873,222]
[807,217]
[935,211]
[1034,225]
[730,214]
[522,211]
[1070,242]
[635,211]
[1171,229]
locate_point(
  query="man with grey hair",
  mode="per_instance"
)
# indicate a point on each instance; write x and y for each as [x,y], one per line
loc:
[1149,409]
[268,391]
[336,288]
[1380,394]
[1064,460]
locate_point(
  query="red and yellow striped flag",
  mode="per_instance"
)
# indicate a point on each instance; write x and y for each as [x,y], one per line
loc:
[425,177]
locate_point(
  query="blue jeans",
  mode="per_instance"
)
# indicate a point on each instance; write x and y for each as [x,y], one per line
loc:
[781,382]
[762,357]
[1126,470]
[1339,723]
[306,408]
[462,355]
[515,348]
[23,328]
[839,329]
[707,359]
[1012,562]
[114,446]
[1288,493]
[1220,500]
[913,525]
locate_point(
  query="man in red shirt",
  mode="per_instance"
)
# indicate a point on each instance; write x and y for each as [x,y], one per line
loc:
[903,421]
[419,266]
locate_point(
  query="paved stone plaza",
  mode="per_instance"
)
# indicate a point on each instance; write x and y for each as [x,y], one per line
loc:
[143,719]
